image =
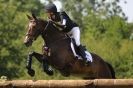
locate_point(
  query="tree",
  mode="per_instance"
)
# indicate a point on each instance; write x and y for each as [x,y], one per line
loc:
[12,16]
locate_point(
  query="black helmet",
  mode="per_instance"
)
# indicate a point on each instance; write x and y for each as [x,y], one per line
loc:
[51,8]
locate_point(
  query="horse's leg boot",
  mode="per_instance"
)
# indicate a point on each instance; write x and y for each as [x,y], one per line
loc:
[47,69]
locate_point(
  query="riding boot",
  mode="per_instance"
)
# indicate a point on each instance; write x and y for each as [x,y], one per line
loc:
[81,51]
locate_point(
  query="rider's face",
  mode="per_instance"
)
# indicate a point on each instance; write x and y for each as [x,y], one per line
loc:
[51,15]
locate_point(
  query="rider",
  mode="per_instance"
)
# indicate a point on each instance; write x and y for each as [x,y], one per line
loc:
[63,21]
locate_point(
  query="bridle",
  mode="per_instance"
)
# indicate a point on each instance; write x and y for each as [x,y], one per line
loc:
[46,26]
[29,34]
[43,32]
[32,35]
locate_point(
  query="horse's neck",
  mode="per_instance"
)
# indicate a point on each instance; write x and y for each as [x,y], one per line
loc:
[52,35]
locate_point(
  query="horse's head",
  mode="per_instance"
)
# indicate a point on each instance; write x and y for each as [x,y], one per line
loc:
[34,30]
[38,26]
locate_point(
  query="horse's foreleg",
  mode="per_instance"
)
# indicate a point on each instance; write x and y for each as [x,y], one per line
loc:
[46,68]
[29,61]
[38,56]
[31,72]
[42,59]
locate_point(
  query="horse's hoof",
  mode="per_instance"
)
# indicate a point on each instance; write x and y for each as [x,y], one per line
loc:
[31,72]
[65,74]
[49,72]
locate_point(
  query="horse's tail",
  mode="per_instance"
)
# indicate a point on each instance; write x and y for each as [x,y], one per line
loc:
[112,70]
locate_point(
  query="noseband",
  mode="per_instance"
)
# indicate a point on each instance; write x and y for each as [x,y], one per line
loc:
[29,34]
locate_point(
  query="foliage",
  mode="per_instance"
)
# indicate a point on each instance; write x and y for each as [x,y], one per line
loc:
[111,41]
[13,19]
[106,33]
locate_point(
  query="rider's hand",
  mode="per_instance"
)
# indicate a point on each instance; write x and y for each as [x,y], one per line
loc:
[51,21]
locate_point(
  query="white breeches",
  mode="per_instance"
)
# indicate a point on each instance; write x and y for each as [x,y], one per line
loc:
[75,33]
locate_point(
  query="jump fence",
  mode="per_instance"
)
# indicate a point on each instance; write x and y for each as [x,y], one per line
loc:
[97,83]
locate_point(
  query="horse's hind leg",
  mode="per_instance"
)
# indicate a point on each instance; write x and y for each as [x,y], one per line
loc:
[112,70]
[86,78]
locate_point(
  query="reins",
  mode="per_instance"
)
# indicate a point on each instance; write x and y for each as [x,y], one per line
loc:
[46,26]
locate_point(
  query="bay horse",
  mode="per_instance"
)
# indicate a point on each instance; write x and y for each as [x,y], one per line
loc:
[60,54]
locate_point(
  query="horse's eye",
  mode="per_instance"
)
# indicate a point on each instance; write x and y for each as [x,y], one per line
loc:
[32,21]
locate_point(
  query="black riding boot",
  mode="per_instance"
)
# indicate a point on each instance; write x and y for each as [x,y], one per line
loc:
[82,53]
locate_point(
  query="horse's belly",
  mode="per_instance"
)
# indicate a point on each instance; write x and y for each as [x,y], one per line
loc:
[81,70]
[83,75]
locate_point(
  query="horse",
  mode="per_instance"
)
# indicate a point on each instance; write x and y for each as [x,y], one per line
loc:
[60,54]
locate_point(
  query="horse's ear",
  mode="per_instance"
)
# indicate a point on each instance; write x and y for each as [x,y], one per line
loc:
[29,17]
[33,15]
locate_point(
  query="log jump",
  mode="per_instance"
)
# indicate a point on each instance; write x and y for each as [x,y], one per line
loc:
[97,83]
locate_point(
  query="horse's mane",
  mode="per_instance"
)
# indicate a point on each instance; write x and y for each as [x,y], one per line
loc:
[45,22]
[42,20]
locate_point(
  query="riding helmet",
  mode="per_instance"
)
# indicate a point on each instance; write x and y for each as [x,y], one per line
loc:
[51,8]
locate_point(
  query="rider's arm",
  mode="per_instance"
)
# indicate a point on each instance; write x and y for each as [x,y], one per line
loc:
[59,24]
[62,24]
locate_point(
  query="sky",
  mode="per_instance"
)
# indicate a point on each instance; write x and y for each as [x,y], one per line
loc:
[127,8]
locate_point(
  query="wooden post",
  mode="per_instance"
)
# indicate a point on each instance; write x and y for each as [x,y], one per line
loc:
[113,83]
[47,84]
[97,83]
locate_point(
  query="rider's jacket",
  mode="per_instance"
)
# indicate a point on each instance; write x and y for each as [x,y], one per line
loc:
[65,20]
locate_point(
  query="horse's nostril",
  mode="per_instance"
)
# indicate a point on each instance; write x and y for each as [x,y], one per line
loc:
[25,43]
